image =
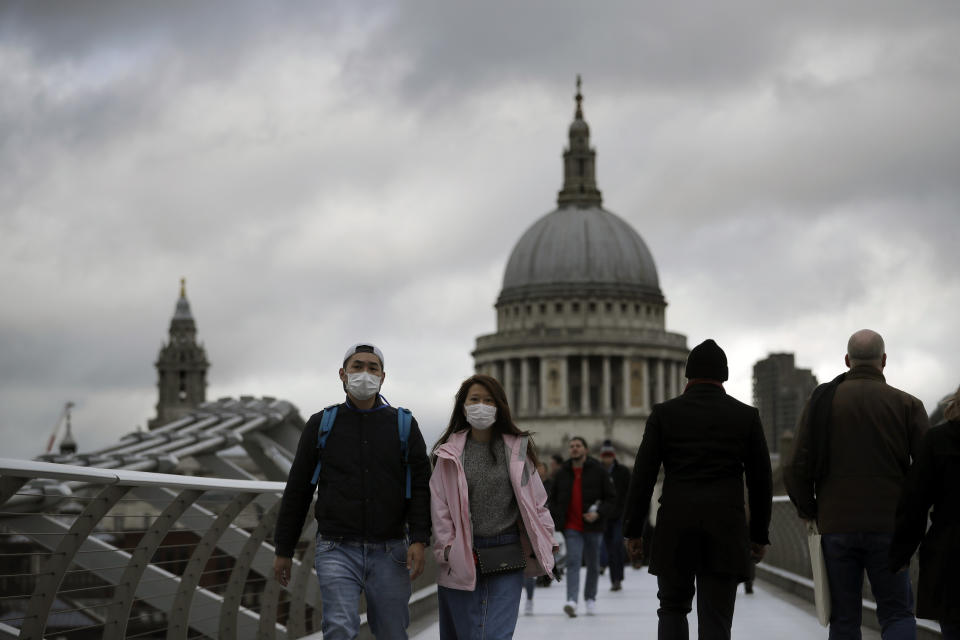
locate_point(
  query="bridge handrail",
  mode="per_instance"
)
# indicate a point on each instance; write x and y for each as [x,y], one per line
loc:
[122,477]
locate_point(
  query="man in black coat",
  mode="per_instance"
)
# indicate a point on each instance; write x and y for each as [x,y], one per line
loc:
[707,442]
[582,499]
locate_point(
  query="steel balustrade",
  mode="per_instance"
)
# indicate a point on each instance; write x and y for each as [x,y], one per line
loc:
[35,495]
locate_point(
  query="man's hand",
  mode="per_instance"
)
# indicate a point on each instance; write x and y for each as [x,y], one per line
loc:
[591,516]
[635,549]
[281,569]
[415,559]
[757,551]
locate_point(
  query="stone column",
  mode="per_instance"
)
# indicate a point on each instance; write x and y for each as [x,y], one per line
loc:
[508,382]
[564,382]
[669,380]
[681,378]
[584,385]
[660,381]
[524,400]
[544,384]
[605,395]
[626,384]
[647,370]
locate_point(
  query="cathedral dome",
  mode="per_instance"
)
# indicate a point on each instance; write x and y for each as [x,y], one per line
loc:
[577,251]
[580,249]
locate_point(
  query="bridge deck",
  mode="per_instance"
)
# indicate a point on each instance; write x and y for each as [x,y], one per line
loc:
[632,613]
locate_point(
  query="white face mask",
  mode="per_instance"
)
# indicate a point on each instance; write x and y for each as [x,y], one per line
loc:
[363,385]
[480,416]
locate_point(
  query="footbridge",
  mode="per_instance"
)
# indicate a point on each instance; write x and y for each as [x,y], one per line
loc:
[167,534]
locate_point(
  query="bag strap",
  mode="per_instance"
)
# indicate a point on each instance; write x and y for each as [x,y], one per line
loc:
[327,419]
[404,419]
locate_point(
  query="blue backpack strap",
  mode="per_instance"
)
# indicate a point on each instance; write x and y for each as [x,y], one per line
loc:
[326,425]
[404,418]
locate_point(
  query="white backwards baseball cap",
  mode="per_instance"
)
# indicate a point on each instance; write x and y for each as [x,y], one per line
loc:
[363,347]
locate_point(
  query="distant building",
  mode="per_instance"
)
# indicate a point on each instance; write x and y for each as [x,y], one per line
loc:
[181,367]
[581,345]
[780,391]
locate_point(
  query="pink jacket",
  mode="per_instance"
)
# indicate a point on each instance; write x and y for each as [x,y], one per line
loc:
[450,510]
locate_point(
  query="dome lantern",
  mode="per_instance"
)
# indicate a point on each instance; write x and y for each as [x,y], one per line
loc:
[579,164]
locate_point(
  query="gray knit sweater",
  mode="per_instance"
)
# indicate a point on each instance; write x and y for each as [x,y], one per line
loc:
[493,507]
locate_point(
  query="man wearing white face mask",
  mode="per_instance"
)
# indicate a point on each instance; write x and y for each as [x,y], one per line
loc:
[368,463]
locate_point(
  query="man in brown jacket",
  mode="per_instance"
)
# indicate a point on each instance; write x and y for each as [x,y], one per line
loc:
[855,442]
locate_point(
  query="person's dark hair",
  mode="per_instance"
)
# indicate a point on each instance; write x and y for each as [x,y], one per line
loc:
[503,424]
[557,458]
[582,441]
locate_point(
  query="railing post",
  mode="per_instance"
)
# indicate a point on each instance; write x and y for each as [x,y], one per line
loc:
[180,612]
[119,612]
[238,576]
[60,559]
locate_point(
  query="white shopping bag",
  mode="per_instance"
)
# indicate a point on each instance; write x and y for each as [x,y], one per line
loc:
[821,585]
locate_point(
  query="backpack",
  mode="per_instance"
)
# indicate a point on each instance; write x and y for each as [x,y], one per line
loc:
[404,418]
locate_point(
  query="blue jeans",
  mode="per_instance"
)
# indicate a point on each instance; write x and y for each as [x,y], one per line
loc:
[582,547]
[490,611]
[530,584]
[613,554]
[847,555]
[347,568]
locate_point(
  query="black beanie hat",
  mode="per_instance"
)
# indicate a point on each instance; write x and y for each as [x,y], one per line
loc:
[707,360]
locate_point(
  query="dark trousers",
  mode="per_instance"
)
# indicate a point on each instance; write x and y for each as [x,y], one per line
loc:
[613,554]
[716,594]
[846,556]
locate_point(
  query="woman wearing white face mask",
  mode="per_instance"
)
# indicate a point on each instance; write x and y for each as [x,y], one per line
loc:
[490,520]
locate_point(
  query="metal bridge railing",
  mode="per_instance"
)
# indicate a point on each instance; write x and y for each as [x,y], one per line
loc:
[96,553]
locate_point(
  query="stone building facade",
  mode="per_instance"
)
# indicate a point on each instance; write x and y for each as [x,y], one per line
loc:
[181,367]
[581,345]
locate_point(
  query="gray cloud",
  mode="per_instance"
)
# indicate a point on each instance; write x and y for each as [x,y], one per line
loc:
[324,173]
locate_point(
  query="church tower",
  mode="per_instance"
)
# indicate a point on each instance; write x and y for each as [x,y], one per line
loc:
[181,367]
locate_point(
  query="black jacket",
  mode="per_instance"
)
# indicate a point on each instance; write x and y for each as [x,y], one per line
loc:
[595,485]
[621,482]
[934,481]
[706,441]
[362,484]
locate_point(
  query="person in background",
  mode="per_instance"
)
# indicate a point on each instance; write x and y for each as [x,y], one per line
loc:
[934,481]
[556,462]
[613,553]
[583,498]
[486,495]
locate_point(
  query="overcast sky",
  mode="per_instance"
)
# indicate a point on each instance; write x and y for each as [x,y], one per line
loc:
[326,172]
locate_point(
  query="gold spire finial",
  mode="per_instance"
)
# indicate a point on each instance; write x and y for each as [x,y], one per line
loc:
[579,98]
[183,287]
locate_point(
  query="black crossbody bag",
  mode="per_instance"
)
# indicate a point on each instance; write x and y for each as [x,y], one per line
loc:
[502,558]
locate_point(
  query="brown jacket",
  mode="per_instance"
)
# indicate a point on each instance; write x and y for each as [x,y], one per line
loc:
[873,434]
